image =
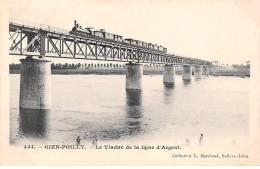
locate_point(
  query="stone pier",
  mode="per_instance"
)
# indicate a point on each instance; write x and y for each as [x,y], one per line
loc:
[134,74]
[205,71]
[35,83]
[186,73]
[198,71]
[34,123]
[168,74]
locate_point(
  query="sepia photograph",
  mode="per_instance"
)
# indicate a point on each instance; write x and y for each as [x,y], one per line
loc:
[130,83]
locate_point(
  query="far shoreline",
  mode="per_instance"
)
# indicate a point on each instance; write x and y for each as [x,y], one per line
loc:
[122,72]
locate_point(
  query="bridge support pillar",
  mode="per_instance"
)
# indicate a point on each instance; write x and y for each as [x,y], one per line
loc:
[213,70]
[205,70]
[134,74]
[35,84]
[168,74]
[198,71]
[186,73]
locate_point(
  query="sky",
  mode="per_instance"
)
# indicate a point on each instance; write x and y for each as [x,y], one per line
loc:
[223,30]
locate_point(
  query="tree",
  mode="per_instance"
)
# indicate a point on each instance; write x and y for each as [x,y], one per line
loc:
[78,66]
[14,66]
[66,66]
[19,66]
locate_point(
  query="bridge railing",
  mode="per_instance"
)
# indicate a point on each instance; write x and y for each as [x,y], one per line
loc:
[37,25]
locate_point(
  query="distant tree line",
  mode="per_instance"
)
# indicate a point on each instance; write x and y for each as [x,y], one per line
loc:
[15,66]
[89,66]
[241,66]
[234,67]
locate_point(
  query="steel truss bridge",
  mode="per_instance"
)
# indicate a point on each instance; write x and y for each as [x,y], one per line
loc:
[32,39]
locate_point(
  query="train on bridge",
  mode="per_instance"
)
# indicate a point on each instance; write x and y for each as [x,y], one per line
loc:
[33,39]
[90,32]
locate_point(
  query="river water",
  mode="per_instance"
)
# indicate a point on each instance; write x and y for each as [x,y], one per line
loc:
[99,107]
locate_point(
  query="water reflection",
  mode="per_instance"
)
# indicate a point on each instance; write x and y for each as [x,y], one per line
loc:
[33,123]
[168,93]
[134,111]
[168,85]
[186,82]
[198,79]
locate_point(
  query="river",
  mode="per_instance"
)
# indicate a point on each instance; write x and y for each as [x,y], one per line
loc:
[99,107]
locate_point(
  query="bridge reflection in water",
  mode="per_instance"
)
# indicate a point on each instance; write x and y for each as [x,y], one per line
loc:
[186,82]
[134,112]
[168,93]
[33,123]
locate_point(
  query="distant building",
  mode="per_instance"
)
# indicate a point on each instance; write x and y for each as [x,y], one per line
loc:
[215,63]
[248,65]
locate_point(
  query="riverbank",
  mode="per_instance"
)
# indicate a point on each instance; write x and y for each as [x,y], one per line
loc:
[239,73]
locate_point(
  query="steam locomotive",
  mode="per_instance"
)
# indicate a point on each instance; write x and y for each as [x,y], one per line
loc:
[90,32]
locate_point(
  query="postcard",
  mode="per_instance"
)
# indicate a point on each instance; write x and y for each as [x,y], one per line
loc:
[130,83]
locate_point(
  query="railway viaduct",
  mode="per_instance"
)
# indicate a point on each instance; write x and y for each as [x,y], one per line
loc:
[38,42]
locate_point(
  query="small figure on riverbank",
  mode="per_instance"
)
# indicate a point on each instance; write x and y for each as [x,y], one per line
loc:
[94,142]
[201,140]
[78,140]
